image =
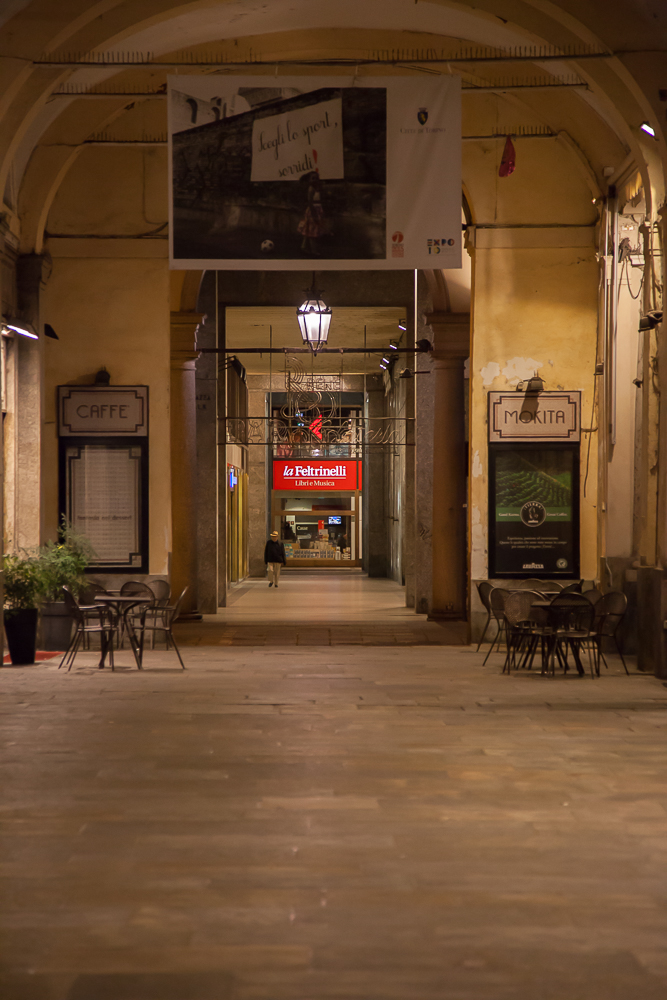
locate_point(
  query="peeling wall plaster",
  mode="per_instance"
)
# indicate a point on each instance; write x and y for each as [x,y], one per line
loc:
[477,469]
[518,369]
[490,372]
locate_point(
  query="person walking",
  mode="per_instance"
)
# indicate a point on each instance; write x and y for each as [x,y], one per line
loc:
[274,557]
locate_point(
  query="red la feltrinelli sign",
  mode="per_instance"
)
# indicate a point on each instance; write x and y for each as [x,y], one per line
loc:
[314,474]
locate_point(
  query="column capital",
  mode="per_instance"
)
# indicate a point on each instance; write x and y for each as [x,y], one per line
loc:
[183,328]
[451,336]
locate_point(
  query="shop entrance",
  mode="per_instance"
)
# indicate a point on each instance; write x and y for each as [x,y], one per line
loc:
[320,522]
[318,531]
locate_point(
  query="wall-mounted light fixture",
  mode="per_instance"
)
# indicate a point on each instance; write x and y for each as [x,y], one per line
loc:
[50,332]
[403,324]
[19,327]
[650,320]
[408,373]
[532,385]
[648,128]
[314,318]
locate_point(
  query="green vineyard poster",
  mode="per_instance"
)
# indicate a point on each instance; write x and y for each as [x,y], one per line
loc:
[534,511]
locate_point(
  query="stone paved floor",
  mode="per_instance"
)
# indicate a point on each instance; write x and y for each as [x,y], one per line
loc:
[343,823]
[316,608]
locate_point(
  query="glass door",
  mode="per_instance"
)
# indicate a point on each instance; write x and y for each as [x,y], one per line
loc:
[318,531]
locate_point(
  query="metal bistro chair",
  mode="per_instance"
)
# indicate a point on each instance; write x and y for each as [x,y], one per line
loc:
[86,599]
[593,596]
[89,620]
[484,589]
[130,589]
[573,588]
[571,620]
[529,584]
[162,592]
[497,599]
[519,627]
[165,624]
[550,587]
[609,613]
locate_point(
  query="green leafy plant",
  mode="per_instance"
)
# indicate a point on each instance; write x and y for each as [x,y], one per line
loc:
[23,582]
[64,562]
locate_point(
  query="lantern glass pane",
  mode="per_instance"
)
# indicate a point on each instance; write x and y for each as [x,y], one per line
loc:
[314,318]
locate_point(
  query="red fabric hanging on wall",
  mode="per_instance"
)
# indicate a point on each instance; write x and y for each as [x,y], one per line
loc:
[508,162]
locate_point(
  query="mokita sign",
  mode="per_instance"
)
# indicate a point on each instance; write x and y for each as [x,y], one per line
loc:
[302,474]
[547,416]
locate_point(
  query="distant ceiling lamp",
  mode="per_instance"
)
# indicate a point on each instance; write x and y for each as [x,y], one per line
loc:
[646,127]
[314,317]
[21,328]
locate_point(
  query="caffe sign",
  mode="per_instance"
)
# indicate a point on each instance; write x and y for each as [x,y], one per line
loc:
[101,411]
[544,416]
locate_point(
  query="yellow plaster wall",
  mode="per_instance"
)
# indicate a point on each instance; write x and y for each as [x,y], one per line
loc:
[533,309]
[116,191]
[112,312]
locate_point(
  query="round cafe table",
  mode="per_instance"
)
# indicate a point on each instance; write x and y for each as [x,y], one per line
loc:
[120,605]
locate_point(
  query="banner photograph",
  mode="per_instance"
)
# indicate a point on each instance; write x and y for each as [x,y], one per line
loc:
[290,170]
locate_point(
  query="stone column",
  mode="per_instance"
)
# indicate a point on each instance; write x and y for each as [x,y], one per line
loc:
[421,458]
[375,535]
[206,384]
[259,481]
[451,348]
[183,439]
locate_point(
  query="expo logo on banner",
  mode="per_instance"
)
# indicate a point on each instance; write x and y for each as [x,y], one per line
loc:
[304,475]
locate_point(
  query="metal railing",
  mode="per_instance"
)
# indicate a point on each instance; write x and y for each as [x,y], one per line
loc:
[327,437]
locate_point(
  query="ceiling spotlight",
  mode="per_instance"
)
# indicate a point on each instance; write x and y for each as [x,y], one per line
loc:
[402,324]
[22,329]
[645,127]
[386,360]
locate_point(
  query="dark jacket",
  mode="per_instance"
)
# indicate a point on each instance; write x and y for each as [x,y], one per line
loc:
[274,552]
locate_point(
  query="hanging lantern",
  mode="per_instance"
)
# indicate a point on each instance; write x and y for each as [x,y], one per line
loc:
[314,317]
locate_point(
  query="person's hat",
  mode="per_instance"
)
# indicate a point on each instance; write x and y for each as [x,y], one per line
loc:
[274,534]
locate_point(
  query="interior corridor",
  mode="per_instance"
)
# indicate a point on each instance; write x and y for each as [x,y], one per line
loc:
[325,823]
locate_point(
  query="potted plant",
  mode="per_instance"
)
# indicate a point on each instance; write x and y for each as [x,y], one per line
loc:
[62,562]
[23,587]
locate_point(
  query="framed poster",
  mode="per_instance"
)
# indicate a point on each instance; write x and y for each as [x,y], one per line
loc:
[278,172]
[534,510]
[104,495]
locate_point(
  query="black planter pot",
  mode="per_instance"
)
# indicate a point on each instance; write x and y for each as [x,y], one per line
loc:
[56,626]
[21,632]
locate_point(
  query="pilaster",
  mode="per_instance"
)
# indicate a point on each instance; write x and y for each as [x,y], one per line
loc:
[27,529]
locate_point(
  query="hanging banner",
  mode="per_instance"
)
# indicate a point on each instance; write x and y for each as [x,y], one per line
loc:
[282,172]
